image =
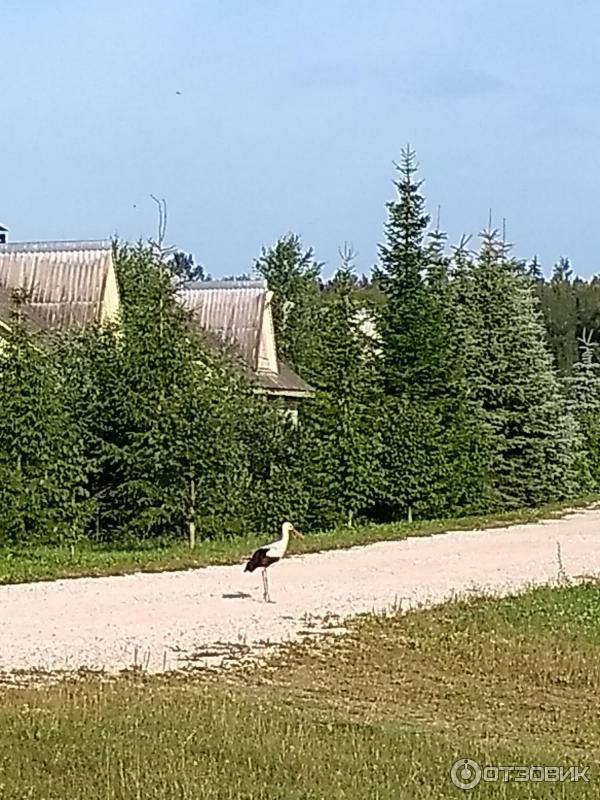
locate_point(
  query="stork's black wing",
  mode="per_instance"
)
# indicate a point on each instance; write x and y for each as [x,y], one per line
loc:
[256,559]
[260,558]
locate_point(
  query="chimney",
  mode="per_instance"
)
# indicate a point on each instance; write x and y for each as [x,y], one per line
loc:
[3,234]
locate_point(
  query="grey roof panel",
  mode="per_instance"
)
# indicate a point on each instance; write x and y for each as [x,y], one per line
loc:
[64,280]
[232,311]
[254,284]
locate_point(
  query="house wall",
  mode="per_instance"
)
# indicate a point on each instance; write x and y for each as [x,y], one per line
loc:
[267,352]
[110,303]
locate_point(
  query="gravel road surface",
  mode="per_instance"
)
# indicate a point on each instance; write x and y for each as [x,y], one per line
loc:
[171,620]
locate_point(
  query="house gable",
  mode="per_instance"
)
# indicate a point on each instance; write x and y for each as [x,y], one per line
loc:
[239,313]
[66,282]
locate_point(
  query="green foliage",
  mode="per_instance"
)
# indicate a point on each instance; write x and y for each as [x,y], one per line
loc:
[43,494]
[511,377]
[184,268]
[436,396]
[341,424]
[293,277]
[570,306]
[430,426]
[411,342]
[584,403]
[174,435]
[561,317]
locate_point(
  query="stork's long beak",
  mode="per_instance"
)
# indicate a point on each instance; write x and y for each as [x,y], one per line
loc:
[297,533]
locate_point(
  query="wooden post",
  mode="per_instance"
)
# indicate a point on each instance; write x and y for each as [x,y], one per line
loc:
[410,514]
[192,515]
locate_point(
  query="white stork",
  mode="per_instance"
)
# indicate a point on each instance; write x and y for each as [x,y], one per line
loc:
[271,554]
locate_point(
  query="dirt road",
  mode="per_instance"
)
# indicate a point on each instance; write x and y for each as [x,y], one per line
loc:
[167,620]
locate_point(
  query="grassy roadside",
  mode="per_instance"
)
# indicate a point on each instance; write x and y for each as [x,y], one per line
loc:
[49,563]
[382,712]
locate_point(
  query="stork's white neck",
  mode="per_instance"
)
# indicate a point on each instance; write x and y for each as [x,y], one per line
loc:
[285,536]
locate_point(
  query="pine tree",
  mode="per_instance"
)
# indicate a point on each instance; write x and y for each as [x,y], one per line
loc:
[293,276]
[561,316]
[43,494]
[534,270]
[432,443]
[584,403]
[511,377]
[341,425]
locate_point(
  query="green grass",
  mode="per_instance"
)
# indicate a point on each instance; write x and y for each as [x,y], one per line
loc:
[37,563]
[379,713]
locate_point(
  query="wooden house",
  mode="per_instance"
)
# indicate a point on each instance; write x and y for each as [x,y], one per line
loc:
[73,284]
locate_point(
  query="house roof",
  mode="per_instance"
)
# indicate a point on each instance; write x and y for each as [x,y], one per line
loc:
[284,382]
[64,280]
[231,309]
[235,311]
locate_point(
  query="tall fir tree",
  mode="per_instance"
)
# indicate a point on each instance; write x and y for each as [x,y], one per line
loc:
[340,426]
[432,454]
[561,317]
[511,376]
[583,388]
[410,344]
[43,486]
[293,275]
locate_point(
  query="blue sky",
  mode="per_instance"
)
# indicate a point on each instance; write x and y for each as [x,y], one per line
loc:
[289,118]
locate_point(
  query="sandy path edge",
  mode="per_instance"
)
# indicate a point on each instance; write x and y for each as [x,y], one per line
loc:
[168,620]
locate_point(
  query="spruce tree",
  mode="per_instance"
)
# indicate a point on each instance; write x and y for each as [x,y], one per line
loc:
[293,275]
[584,403]
[431,457]
[158,413]
[410,344]
[511,377]
[561,316]
[43,496]
[178,444]
[340,426]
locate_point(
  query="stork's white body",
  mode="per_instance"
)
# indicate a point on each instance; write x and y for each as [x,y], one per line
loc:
[270,554]
[278,549]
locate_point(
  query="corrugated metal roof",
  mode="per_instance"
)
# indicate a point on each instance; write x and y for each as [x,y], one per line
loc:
[237,284]
[64,280]
[233,310]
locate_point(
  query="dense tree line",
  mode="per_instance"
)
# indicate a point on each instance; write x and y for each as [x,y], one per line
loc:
[455,380]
